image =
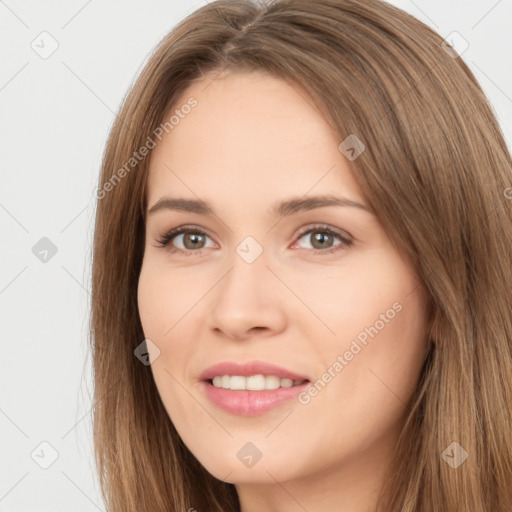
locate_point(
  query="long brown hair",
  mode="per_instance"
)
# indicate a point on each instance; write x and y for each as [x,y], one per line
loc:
[437,172]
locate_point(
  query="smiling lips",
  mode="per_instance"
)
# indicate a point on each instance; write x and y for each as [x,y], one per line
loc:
[251,388]
[248,369]
[253,383]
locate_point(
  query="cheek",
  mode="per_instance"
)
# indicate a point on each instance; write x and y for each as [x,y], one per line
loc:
[160,309]
[149,304]
[379,316]
[161,301]
[383,360]
[352,298]
[167,317]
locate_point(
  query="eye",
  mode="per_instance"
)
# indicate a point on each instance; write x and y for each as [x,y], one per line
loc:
[321,239]
[190,239]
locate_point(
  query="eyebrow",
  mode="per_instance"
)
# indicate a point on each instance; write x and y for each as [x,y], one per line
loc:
[282,209]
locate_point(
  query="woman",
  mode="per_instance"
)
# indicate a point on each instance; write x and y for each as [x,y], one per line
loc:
[302,270]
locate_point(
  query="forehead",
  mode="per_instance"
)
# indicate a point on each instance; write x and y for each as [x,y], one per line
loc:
[248,133]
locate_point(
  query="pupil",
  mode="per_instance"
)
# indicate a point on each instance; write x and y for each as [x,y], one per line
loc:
[194,237]
[320,237]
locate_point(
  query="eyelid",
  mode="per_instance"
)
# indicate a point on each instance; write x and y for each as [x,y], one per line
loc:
[341,233]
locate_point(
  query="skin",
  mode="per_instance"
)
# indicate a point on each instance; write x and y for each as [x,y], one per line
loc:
[251,141]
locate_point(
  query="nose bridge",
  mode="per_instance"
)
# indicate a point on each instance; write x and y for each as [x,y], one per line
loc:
[248,269]
[245,297]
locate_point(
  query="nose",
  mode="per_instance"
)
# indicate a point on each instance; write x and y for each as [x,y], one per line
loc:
[248,301]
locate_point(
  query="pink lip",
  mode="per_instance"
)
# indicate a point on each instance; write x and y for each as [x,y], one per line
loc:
[249,403]
[249,368]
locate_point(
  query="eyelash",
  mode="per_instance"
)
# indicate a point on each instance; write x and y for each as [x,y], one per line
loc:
[167,237]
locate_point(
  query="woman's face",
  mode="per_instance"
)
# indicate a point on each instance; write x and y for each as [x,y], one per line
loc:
[274,275]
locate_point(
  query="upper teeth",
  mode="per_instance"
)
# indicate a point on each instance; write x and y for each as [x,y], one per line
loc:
[253,383]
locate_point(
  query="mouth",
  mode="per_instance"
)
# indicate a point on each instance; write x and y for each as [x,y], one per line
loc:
[250,373]
[251,402]
[258,382]
[250,388]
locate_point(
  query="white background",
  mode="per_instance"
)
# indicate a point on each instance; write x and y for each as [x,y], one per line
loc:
[55,115]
